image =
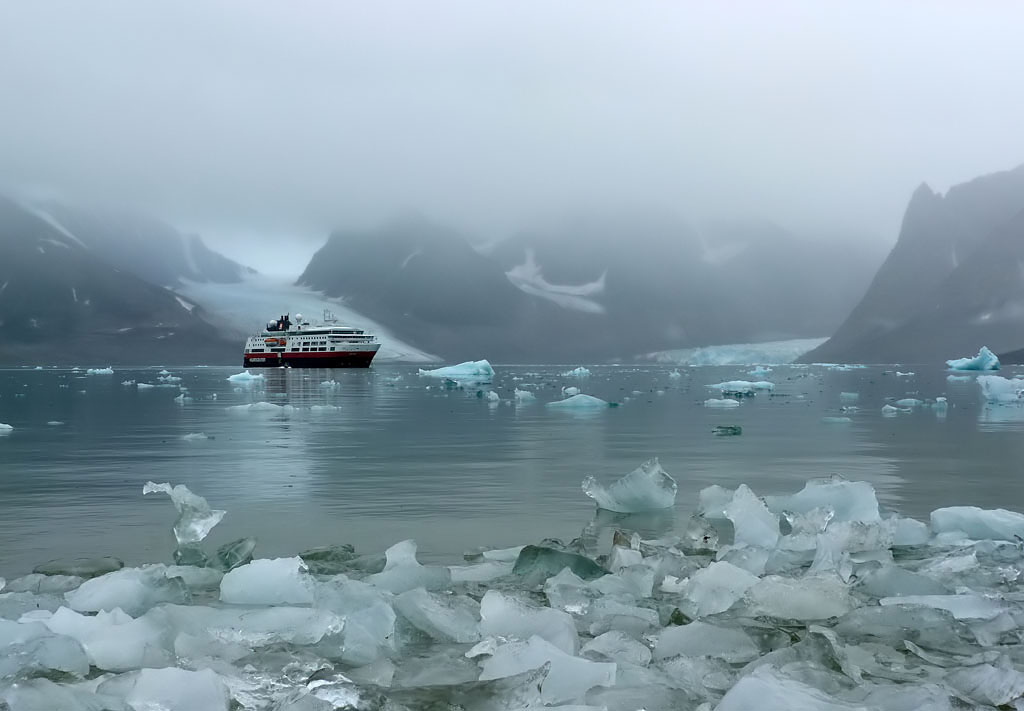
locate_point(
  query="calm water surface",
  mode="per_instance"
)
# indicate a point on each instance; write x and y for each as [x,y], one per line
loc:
[386,455]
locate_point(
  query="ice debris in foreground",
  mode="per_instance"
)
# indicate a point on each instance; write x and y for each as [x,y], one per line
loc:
[816,599]
[646,488]
[985,360]
[476,371]
[195,517]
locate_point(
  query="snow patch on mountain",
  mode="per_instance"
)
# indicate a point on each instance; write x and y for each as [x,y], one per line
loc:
[54,223]
[243,308]
[527,277]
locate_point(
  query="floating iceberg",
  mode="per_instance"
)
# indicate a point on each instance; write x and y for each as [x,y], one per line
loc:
[579,372]
[100,371]
[721,403]
[909,402]
[745,387]
[523,396]
[5,429]
[646,488]
[985,360]
[195,517]
[245,377]
[995,388]
[580,402]
[570,391]
[889,410]
[474,371]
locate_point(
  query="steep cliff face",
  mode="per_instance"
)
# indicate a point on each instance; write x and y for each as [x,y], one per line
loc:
[951,283]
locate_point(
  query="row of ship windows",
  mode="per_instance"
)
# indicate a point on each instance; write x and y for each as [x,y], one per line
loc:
[281,350]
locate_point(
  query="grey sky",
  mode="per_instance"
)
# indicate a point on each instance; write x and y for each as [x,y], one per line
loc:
[259,118]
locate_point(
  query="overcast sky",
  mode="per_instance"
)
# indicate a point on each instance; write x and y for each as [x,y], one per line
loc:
[257,120]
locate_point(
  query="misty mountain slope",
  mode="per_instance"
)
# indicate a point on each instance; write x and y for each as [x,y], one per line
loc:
[951,283]
[601,290]
[728,282]
[243,308]
[147,247]
[426,284]
[67,306]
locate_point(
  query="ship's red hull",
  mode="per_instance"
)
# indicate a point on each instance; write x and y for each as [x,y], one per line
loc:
[338,359]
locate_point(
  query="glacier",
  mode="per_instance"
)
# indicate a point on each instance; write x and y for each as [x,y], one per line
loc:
[985,360]
[766,353]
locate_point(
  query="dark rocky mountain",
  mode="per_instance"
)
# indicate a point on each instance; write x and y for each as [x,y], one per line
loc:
[147,247]
[589,289]
[953,282]
[60,302]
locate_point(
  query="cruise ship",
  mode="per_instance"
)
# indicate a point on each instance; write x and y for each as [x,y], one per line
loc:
[302,345]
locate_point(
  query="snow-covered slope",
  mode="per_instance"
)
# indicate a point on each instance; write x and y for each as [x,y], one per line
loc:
[246,306]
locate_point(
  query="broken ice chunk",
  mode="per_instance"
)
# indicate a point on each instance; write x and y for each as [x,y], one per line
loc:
[268,581]
[403,572]
[979,524]
[997,389]
[133,590]
[962,607]
[236,553]
[506,616]
[617,647]
[569,678]
[699,639]
[447,618]
[909,402]
[848,500]
[538,563]
[523,396]
[891,581]
[753,523]
[804,599]
[113,641]
[985,360]
[30,649]
[986,684]
[195,517]
[766,689]
[714,589]
[646,488]
[170,689]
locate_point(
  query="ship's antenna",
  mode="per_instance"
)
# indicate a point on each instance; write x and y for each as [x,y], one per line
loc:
[329,316]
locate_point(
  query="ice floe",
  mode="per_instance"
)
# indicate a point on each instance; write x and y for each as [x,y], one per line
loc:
[579,372]
[100,371]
